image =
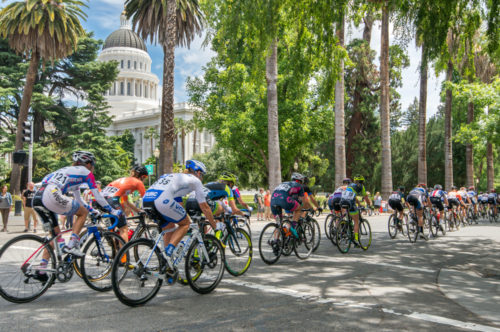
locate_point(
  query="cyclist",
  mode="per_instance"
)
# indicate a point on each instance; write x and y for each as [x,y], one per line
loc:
[308,193]
[289,196]
[119,190]
[52,196]
[396,201]
[483,200]
[492,200]
[471,193]
[417,198]
[334,199]
[230,180]
[437,197]
[465,200]
[164,198]
[350,197]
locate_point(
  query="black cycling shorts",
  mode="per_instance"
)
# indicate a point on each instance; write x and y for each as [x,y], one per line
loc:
[334,203]
[436,201]
[395,204]
[413,200]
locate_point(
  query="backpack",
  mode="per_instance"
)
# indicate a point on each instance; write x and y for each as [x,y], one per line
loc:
[255,199]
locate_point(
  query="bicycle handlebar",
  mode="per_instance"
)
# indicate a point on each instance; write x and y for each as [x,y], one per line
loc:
[111,216]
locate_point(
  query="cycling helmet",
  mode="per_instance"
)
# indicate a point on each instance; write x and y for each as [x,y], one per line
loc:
[141,170]
[226,176]
[453,188]
[422,185]
[471,188]
[346,180]
[402,188]
[298,177]
[196,165]
[438,187]
[493,191]
[98,182]
[83,157]
[359,178]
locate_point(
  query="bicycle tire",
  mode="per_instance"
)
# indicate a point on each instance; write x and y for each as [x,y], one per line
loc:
[404,225]
[304,245]
[412,230]
[329,218]
[13,256]
[317,234]
[149,231]
[96,265]
[365,234]
[344,236]
[197,273]
[238,252]
[271,239]
[243,223]
[392,226]
[434,226]
[135,274]
[333,229]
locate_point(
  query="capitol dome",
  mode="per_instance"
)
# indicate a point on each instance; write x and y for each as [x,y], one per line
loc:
[124,38]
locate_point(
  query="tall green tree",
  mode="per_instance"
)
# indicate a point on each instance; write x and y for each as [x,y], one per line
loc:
[39,29]
[170,23]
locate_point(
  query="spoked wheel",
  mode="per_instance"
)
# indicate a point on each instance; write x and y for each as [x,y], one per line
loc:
[403,227]
[434,226]
[392,226]
[412,230]
[317,233]
[98,260]
[135,273]
[150,232]
[442,223]
[243,222]
[288,241]
[205,272]
[270,243]
[328,220]
[344,237]
[238,252]
[22,279]
[365,234]
[333,229]
[305,244]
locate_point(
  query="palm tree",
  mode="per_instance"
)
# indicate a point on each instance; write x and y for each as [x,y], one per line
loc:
[384,104]
[422,118]
[171,23]
[41,30]
[340,162]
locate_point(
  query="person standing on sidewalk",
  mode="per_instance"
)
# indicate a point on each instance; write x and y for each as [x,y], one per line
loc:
[259,200]
[267,205]
[5,207]
[28,195]
[377,203]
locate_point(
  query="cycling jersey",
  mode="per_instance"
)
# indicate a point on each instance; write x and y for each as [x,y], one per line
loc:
[335,198]
[483,199]
[416,197]
[56,185]
[287,196]
[472,196]
[236,192]
[213,191]
[349,196]
[395,200]
[492,198]
[123,187]
[165,196]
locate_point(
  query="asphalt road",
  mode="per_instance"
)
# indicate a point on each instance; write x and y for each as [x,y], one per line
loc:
[448,283]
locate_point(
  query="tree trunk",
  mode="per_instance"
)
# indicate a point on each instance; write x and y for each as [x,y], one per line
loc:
[490,173]
[340,167]
[422,119]
[273,142]
[194,141]
[386,187]
[448,152]
[167,129]
[469,149]
[183,137]
[15,176]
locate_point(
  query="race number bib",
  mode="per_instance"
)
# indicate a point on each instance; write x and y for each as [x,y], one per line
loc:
[110,191]
[394,196]
[348,194]
[59,178]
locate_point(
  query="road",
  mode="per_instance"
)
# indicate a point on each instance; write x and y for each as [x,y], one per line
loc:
[448,283]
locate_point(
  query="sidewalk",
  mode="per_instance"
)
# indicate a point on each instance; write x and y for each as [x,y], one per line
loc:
[16,225]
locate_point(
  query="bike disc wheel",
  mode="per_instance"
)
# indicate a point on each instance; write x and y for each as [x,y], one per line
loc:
[328,220]
[344,236]
[270,243]
[19,265]
[98,260]
[238,252]
[304,245]
[365,234]
[205,273]
[392,226]
[137,281]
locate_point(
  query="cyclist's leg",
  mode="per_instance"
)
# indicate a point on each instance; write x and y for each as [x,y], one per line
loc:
[173,214]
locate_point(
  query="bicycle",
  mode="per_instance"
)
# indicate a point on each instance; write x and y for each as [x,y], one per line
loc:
[492,216]
[395,225]
[276,239]
[317,229]
[345,233]
[453,220]
[436,222]
[412,229]
[331,222]
[139,279]
[23,279]
[366,210]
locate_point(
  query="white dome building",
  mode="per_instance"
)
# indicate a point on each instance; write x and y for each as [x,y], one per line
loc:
[134,98]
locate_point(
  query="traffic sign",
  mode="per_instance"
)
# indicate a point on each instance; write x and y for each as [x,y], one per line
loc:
[150,169]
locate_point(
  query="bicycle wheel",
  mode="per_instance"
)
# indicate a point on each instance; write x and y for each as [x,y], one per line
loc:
[270,243]
[403,227]
[317,234]
[329,218]
[333,229]
[365,234]
[242,222]
[150,231]
[434,226]
[304,245]
[204,273]
[98,260]
[392,226]
[344,237]
[238,252]
[20,278]
[137,281]
[442,224]
[412,230]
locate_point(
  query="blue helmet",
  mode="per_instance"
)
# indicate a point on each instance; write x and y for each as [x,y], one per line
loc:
[196,165]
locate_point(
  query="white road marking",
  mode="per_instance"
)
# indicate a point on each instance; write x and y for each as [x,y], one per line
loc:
[359,305]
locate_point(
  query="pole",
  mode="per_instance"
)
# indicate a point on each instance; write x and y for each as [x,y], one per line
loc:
[30,157]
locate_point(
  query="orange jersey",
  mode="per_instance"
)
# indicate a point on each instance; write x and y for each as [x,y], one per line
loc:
[123,187]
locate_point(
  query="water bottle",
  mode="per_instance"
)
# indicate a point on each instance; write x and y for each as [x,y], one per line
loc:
[61,243]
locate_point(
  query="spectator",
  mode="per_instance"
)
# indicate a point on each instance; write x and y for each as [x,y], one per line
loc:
[377,202]
[28,195]
[267,205]
[259,198]
[5,207]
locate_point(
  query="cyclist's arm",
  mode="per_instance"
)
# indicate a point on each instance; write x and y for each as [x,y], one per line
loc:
[232,204]
[129,205]
[314,202]
[240,200]
[208,214]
